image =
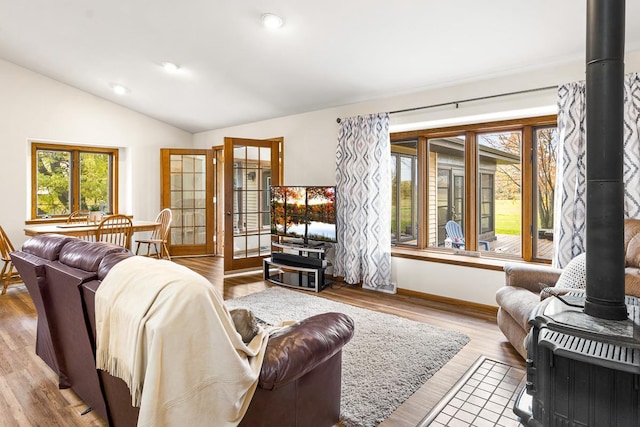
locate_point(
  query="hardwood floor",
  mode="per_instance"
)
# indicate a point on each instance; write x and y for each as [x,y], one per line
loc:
[29,395]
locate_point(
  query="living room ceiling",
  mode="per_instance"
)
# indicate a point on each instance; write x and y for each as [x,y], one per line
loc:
[328,53]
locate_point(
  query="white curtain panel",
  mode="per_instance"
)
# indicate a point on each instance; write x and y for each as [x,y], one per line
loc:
[571,180]
[363,200]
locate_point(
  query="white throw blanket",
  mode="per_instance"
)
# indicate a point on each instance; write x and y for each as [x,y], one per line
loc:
[166,332]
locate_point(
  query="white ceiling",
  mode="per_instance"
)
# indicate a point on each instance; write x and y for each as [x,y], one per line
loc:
[328,53]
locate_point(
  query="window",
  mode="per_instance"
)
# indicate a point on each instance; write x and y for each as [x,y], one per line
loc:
[446,176]
[499,202]
[404,192]
[545,144]
[478,177]
[69,178]
[487,204]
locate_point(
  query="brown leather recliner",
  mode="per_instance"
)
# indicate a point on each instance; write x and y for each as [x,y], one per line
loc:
[31,262]
[78,263]
[301,374]
[527,284]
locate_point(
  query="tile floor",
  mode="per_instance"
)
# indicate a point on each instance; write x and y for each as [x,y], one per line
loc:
[485,399]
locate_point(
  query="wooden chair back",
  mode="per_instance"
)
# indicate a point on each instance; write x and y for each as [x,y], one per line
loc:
[162,231]
[116,229]
[159,236]
[82,217]
[79,217]
[8,274]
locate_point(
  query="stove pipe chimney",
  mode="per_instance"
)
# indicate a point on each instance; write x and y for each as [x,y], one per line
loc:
[605,188]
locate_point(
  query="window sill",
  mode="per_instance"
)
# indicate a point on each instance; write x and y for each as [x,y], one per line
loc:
[483,262]
[54,220]
[43,221]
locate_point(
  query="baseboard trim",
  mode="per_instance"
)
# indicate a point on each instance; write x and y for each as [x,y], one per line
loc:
[454,301]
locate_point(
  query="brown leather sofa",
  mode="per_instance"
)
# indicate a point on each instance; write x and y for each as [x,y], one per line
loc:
[31,263]
[526,285]
[299,382]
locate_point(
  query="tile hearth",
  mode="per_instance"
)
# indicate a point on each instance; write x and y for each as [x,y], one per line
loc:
[483,398]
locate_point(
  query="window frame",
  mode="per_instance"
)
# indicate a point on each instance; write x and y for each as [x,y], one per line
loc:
[471,215]
[75,151]
[397,155]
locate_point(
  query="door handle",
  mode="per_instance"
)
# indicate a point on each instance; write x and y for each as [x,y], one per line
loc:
[228,213]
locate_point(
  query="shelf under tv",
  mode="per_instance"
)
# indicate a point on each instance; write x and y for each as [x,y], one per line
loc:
[297,265]
[295,276]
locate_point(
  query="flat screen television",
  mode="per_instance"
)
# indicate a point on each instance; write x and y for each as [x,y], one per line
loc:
[307,213]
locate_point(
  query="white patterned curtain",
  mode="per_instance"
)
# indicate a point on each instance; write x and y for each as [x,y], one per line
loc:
[363,195]
[570,205]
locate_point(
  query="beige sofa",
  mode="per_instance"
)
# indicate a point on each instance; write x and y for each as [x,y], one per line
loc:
[527,284]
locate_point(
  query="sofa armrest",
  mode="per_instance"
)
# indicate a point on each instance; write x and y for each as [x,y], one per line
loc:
[554,292]
[532,277]
[297,349]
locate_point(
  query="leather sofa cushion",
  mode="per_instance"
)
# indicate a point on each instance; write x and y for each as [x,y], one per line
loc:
[85,255]
[632,281]
[46,246]
[518,302]
[632,242]
[295,350]
[109,261]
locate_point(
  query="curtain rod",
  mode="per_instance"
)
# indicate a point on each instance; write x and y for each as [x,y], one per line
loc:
[424,107]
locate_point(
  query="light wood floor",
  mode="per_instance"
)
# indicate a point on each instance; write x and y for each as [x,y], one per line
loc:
[30,397]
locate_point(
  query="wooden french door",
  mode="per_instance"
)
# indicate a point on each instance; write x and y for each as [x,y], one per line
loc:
[187,189]
[250,168]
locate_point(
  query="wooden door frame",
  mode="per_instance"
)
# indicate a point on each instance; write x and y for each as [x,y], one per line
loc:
[239,264]
[165,198]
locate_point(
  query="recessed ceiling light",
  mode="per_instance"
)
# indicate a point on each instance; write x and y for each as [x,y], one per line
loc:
[272,21]
[119,89]
[170,67]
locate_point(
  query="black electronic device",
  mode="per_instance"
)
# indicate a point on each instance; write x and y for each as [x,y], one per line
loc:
[297,260]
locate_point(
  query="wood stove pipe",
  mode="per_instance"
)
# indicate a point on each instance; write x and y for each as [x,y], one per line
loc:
[605,188]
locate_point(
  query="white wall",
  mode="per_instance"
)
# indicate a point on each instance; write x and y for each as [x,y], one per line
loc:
[310,145]
[447,280]
[36,108]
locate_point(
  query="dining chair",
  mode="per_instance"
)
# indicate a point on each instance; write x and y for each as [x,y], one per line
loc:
[158,236]
[80,216]
[8,274]
[116,229]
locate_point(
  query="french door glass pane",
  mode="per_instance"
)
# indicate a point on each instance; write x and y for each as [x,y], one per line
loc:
[251,183]
[188,199]
[500,192]
[445,189]
[545,142]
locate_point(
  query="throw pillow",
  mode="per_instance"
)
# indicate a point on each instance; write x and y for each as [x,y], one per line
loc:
[574,275]
[245,323]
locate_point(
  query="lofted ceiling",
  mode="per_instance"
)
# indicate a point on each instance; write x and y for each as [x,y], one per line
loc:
[328,53]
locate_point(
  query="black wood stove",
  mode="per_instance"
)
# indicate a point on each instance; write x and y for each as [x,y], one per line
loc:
[581,370]
[583,365]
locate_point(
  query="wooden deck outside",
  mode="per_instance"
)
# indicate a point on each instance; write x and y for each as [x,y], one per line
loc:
[510,245]
[506,244]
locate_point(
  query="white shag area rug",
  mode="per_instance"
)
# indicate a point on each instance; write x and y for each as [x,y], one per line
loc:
[387,360]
